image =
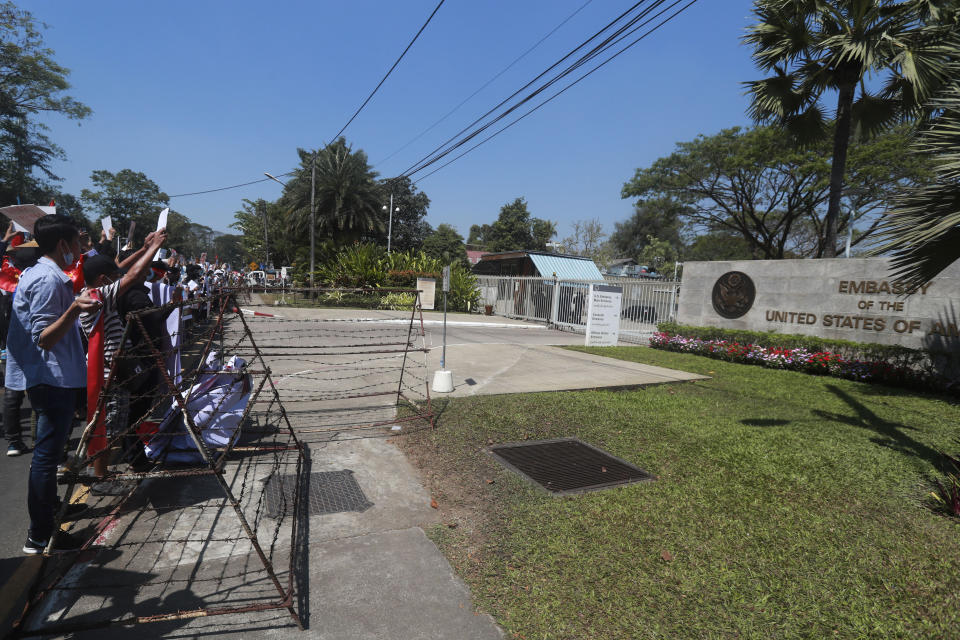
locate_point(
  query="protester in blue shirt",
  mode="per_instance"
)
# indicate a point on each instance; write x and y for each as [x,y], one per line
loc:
[45,357]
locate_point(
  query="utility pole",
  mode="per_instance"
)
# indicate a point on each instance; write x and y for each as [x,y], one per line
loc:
[266,243]
[313,211]
[390,224]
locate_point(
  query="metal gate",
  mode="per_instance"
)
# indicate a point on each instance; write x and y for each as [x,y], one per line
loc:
[563,303]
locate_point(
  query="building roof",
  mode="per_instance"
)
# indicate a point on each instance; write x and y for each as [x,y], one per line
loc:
[565,267]
[474,256]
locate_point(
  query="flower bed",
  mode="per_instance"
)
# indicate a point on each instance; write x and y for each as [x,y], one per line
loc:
[809,361]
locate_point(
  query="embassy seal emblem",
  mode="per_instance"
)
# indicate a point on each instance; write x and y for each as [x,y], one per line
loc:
[733,294]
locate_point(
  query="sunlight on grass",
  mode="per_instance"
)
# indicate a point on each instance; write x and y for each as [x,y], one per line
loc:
[787,505]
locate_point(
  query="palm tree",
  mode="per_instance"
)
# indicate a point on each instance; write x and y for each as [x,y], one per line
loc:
[347,198]
[923,231]
[817,46]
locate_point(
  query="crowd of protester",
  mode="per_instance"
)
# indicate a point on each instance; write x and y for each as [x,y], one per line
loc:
[64,308]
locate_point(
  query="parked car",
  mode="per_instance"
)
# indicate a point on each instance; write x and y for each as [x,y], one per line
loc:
[639,313]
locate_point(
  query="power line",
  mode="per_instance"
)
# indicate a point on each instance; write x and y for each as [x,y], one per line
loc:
[235,186]
[442,150]
[342,129]
[360,108]
[487,83]
[558,93]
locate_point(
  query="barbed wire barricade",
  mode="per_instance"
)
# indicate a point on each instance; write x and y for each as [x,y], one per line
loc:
[190,429]
[341,376]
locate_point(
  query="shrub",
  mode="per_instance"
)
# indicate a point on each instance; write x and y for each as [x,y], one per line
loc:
[892,354]
[397,301]
[946,496]
[822,362]
[368,265]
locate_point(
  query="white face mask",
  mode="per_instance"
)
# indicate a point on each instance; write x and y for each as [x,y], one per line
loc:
[67,255]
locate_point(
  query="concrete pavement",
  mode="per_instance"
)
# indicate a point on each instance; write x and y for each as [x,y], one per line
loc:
[367,573]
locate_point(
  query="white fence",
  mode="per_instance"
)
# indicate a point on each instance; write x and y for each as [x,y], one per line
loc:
[563,303]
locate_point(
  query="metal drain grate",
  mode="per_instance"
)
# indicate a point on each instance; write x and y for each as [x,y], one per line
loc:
[328,492]
[567,465]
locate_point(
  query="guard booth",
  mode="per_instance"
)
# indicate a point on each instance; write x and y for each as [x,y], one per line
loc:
[537,285]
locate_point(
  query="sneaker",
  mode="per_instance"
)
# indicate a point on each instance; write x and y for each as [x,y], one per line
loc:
[17,448]
[111,488]
[63,543]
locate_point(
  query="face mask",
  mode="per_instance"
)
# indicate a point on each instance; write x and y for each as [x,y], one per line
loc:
[68,258]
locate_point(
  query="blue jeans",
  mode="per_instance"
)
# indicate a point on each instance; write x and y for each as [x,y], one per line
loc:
[54,407]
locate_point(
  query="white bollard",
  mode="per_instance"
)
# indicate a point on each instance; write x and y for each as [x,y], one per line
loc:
[442,382]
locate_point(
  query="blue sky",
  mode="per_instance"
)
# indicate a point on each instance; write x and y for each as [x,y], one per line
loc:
[210,93]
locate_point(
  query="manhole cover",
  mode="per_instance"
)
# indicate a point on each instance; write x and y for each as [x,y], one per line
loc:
[328,492]
[567,465]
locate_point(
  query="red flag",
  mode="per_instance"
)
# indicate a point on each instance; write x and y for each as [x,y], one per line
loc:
[9,276]
[52,204]
[76,273]
[95,352]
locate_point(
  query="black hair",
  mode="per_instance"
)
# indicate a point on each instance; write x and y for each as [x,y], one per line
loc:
[24,258]
[50,230]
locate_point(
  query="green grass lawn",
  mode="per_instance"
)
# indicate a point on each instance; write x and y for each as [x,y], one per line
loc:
[786,505]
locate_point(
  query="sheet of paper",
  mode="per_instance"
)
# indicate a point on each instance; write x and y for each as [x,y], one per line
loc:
[23,215]
[162,220]
[107,224]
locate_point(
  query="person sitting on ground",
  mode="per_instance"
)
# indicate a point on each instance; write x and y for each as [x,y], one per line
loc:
[45,357]
[110,281]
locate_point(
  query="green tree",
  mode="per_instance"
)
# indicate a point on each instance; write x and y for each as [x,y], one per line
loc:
[446,245]
[347,196]
[754,183]
[923,230]
[716,245]
[249,220]
[31,83]
[541,232]
[816,48]
[410,208]
[659,254]
[480,235]
[228,247]
[657,217]
[124,196]
[516,230]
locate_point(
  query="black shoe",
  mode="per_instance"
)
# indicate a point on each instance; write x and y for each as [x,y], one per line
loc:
[111,488]
[17,448]
[63,542]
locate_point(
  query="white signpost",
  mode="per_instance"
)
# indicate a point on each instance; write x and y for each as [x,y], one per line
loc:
[603,315]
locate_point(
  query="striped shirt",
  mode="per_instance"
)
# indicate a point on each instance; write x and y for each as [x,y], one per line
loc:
[112,326]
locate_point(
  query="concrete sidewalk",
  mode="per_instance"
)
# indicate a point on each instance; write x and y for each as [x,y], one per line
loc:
[366,573]
[490,369]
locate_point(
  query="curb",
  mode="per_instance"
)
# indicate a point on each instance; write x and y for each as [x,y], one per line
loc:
[452,323]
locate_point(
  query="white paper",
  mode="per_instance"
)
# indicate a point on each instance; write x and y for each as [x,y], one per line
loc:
[162,220]
[107,224]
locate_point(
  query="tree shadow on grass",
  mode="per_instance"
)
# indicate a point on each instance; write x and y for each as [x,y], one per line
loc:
[891,434]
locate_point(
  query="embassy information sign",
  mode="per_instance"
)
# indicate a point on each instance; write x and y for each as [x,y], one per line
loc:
[603,315]
[846,299]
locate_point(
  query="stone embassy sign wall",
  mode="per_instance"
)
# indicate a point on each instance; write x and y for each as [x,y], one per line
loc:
[845,299]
